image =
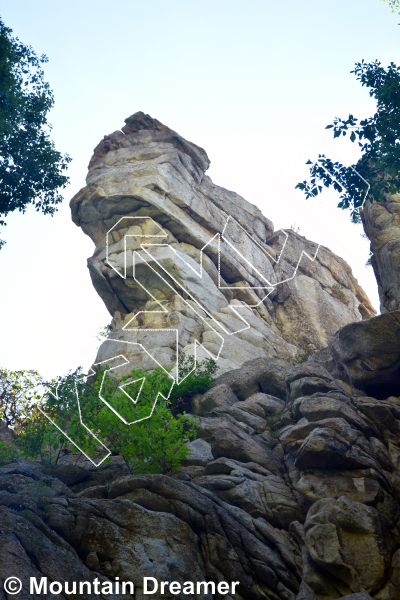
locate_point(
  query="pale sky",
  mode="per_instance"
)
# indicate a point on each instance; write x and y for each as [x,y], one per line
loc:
[253,82]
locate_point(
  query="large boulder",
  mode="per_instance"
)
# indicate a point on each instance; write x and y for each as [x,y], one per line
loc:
[292,486]
[165,233]
[220,395]
[369,351]
[381,221]
[345,538]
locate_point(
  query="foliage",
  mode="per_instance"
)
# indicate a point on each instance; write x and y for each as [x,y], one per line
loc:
[195,381]
[104,332]
[378,171]
[275,433]
[148,445]
[30,167]
[337,292]
[393,4]
[301,358]
[18,391]
[37,438]
[8,452]
[275,424]
[273,419]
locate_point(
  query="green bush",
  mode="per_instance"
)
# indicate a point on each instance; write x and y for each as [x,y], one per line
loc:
[8,452]
[148,445]
[301,358]
[195,380]
[18,393]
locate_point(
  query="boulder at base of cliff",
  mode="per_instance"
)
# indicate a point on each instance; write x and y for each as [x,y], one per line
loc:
[369,351]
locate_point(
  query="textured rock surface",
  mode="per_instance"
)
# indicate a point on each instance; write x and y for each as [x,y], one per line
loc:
[301,503]
[369,352]
[292,486]
[146,185]
[381,221]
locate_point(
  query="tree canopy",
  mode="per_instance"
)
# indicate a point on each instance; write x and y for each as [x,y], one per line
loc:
[31,169]
[378,171]
[393,4]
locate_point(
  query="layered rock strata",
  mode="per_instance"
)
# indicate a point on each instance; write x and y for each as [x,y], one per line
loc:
[296,495]
[292,486]
[175,252]
[381,221]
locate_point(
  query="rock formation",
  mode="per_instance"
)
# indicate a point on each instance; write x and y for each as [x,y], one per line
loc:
[292,486]
[381,221]
[147,193]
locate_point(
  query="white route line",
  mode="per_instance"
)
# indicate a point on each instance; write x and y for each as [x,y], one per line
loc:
[339,182]
[175,379]
[269,284]
[125,327]
[121,387]
[82,423]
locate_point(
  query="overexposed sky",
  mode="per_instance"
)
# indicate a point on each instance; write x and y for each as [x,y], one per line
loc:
[254,82]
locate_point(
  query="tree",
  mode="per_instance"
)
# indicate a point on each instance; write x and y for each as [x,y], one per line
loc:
[18,392]
[155,444]
[393,4]
[30,166]
[377,173]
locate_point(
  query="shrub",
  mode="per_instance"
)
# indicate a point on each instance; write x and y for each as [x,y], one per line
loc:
[8,452]
[195,381]
[18,392]
[337,292]
[147,445]
[301,358]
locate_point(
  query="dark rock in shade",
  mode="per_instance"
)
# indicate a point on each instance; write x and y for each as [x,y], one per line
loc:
[69,474]
[324,358]
[324,448]
[243,382]
[369,351]
[357,596]
[219,395]
[346,538]
[240,446]
[271,377]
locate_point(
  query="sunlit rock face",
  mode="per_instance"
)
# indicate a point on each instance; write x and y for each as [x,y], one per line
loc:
[165,233]
[381,221]
[292,486]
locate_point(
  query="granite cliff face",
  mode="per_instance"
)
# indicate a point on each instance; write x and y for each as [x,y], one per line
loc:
[381,221]
[149,206]
[292,488]
[293,484]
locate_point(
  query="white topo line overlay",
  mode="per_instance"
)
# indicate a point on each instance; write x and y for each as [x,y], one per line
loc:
[193,301]
[339,182]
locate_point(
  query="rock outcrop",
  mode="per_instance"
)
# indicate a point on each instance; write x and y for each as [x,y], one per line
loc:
[166,235]
[297,497]
[292,487]
[368,352]
[381,221]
